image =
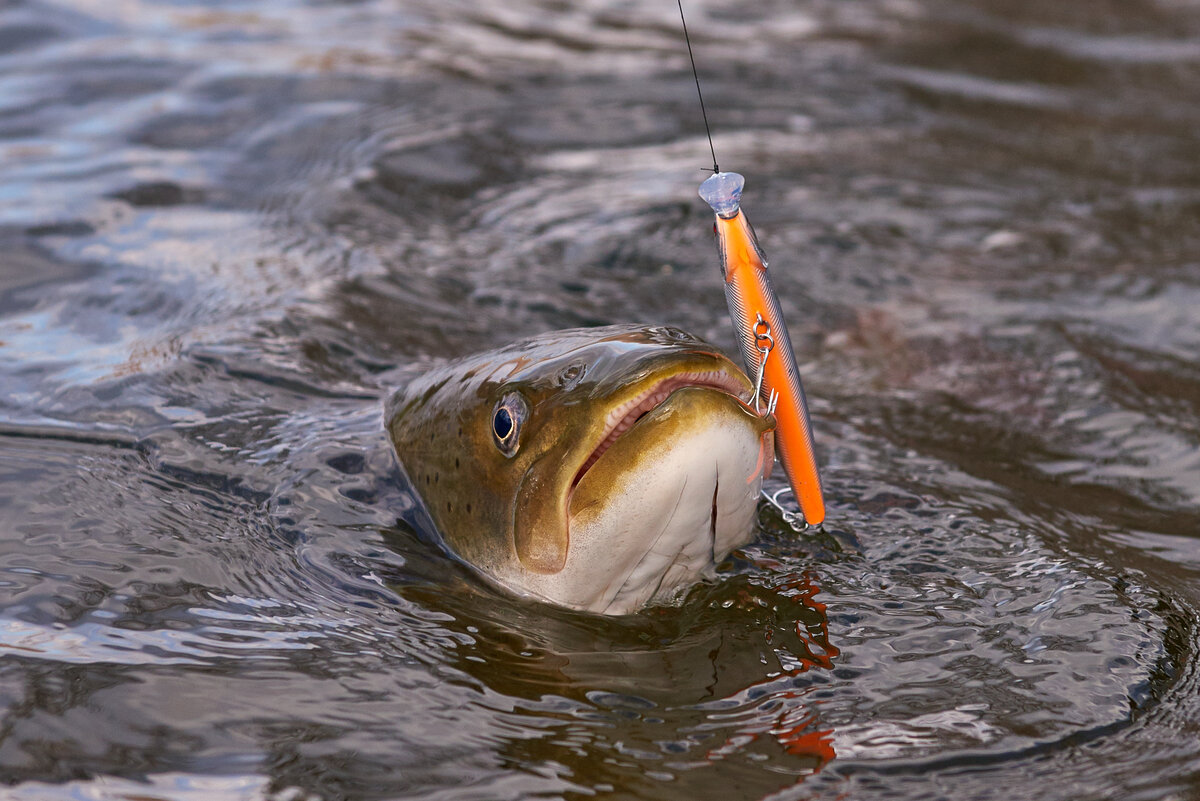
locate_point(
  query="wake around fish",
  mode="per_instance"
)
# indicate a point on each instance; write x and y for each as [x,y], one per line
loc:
[602,469]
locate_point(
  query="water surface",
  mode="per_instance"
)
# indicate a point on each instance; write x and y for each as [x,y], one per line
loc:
[228,230]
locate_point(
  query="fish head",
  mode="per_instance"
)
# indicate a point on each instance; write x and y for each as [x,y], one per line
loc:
[596,468]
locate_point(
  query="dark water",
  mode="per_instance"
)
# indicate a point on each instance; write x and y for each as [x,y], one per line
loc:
[227,229]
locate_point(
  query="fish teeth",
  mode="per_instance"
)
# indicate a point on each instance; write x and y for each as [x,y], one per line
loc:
[623,417]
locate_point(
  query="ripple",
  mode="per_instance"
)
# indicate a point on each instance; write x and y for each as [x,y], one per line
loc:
[231,230]
[157,787]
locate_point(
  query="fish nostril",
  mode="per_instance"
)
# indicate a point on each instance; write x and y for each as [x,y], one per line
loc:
[570,376]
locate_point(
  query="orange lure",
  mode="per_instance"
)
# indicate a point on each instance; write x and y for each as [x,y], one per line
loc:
[759,323]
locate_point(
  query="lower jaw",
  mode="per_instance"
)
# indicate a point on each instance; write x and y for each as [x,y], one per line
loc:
[664,523]
[688,549]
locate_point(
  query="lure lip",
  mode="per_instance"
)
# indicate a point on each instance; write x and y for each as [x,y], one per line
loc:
[722,191]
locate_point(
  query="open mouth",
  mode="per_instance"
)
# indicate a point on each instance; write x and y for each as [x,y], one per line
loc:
[625,416]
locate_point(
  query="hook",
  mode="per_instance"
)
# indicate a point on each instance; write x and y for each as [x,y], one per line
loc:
[796,521]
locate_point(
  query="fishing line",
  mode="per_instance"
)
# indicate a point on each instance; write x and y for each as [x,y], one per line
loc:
[699,94]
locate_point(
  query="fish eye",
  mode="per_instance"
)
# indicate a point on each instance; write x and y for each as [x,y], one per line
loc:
[502,424]
[507,417]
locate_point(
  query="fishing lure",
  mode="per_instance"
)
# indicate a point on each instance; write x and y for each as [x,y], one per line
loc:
[763,337]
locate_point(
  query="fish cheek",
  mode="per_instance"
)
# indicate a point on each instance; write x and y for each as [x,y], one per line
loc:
[475,508]
[540,524]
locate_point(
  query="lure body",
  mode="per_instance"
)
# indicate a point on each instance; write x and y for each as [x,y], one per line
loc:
[752,303]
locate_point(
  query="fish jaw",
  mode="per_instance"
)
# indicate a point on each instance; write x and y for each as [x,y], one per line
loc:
[541,511]
[661,505]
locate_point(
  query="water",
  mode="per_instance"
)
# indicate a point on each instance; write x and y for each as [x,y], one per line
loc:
[229,229]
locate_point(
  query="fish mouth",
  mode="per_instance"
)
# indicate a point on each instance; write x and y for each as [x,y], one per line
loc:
[668,498]
[623,417]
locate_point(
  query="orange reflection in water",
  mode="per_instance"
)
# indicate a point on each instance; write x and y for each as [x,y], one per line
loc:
[795,727]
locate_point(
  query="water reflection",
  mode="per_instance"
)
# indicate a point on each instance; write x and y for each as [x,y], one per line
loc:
[228,232]
[730,674]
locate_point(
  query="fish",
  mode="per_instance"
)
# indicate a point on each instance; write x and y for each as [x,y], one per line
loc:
[764,341]
[600,469]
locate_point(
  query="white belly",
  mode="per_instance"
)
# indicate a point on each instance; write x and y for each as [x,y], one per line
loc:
[676,503]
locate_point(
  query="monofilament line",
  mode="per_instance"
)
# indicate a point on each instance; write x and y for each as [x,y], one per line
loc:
[699,94]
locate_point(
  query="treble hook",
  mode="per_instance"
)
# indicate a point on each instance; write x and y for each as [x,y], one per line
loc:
[796,521]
